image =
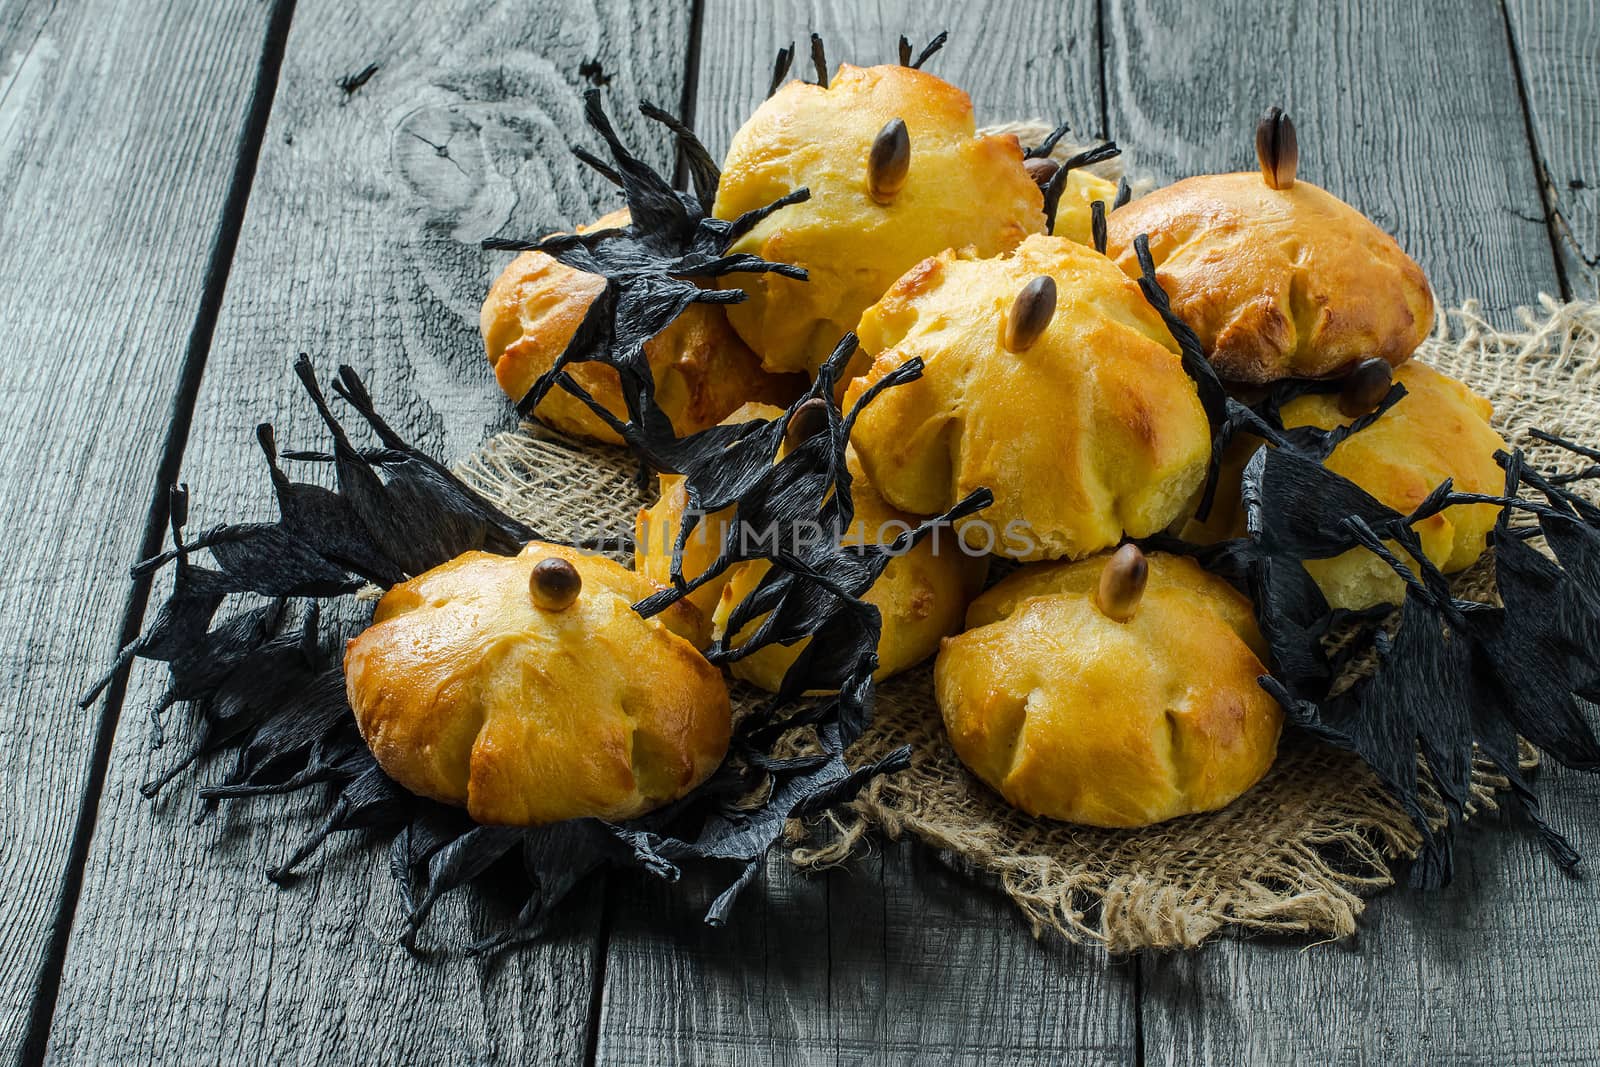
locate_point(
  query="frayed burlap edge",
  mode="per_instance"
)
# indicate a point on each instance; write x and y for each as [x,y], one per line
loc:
[1297,854]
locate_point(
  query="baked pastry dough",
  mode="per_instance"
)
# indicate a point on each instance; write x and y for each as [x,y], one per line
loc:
[960,190]
[921,595]
[1093,431]
[1278,283]
[702,369]
[471,693]
[1440,429]
[1074,212]
[1073,715]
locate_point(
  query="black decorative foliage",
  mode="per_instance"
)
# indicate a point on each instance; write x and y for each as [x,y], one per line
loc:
[1456,677]
[784,60]
[266,685]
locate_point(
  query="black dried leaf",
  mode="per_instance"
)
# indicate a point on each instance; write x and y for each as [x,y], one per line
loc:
[819,60]
[1458,678]
[927,52]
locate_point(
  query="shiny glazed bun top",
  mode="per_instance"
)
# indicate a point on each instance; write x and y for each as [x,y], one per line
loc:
[702,369]
[1086,429]
[527,689]
[1117,691]
[1279,280]
[863,227]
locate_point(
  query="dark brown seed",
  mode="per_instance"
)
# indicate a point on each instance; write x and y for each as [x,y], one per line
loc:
[889,161]
[808,420]
[1122,582]
[1030,313]
[554,584]
[1365,387]
[1041,170]
[1277,148]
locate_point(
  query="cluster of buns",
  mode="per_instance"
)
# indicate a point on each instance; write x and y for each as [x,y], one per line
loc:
[1094,684]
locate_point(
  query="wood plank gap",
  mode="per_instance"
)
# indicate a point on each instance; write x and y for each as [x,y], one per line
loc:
[691,86]
[42,1011]
[597,984]
[1541,172]
[1104,114]
[1138,1011]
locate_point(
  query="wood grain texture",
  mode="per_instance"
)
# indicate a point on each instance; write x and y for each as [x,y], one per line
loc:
[1559,48]
[1043,63]
[1500,966]
[1409,111]
[893,959]
[119,131]
[360,245]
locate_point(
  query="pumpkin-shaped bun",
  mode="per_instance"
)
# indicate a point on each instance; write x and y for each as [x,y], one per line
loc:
[1440,429]
[702,369]
[959,190]
[1072,714]
[527,689]
[1090,431]
[920,595]
[1278,283]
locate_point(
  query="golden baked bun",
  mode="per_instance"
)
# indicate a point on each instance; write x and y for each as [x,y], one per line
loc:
[1074,213]
[1277,283]
[475,686]
[1440,429]
[960,190]
[1091,431]
[1071,714]
[702,369]
[921,595]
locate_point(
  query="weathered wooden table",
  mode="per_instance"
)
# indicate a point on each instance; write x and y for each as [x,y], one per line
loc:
[195,191]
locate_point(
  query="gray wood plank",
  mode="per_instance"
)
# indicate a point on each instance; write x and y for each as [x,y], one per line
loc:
[1499,967]
[1408,111]
[893,959]
[1558,45]
[119,132]
[360,244]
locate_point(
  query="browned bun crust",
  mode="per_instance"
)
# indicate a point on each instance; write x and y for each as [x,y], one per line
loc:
[470,694]
[1074,716]
[1278,283]
[1092,432]
[962,190]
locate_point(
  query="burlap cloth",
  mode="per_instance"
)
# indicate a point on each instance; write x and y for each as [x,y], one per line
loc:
[1296,854]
